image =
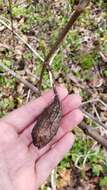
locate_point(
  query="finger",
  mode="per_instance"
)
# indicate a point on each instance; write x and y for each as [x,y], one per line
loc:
[71,120]
[68,122]
[70,103]
[24,116]
[50,160]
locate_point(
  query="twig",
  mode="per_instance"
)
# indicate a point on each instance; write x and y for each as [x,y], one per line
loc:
[95,100]
[24,41]
[28,96]
[98,116]
[50,72]
[4,18]
[18,77]
[34,89]
[104,58]
[11,18]
[90,131]
[96,112]
[35,53]
[51,75]
[79,9]
[88,115]
[102,102]
[77,160]
[53,179]
[47,62]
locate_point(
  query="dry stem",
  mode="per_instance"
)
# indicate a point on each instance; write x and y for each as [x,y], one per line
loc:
[90,131]
[18,77]
[79,9]
[11,18]
[24,41]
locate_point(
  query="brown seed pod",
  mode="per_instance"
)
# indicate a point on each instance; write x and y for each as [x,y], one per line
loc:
[47,124]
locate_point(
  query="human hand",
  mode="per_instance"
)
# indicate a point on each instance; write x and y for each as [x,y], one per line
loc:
[23,166]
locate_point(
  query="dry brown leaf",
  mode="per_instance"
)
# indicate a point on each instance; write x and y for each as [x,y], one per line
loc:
[47,124]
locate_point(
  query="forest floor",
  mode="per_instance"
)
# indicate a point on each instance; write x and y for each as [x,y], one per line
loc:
[80,64]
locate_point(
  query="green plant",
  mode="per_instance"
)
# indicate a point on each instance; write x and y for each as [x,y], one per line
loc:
[65,163]
[86,60]
[57,63]
[96,169]
[103,182]
[18,11]
[41,21]
[105,73]
[1,3]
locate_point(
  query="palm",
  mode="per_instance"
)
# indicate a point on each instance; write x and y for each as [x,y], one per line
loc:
[19,160]
[25,166]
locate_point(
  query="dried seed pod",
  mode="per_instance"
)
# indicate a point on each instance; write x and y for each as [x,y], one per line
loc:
[47,124]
